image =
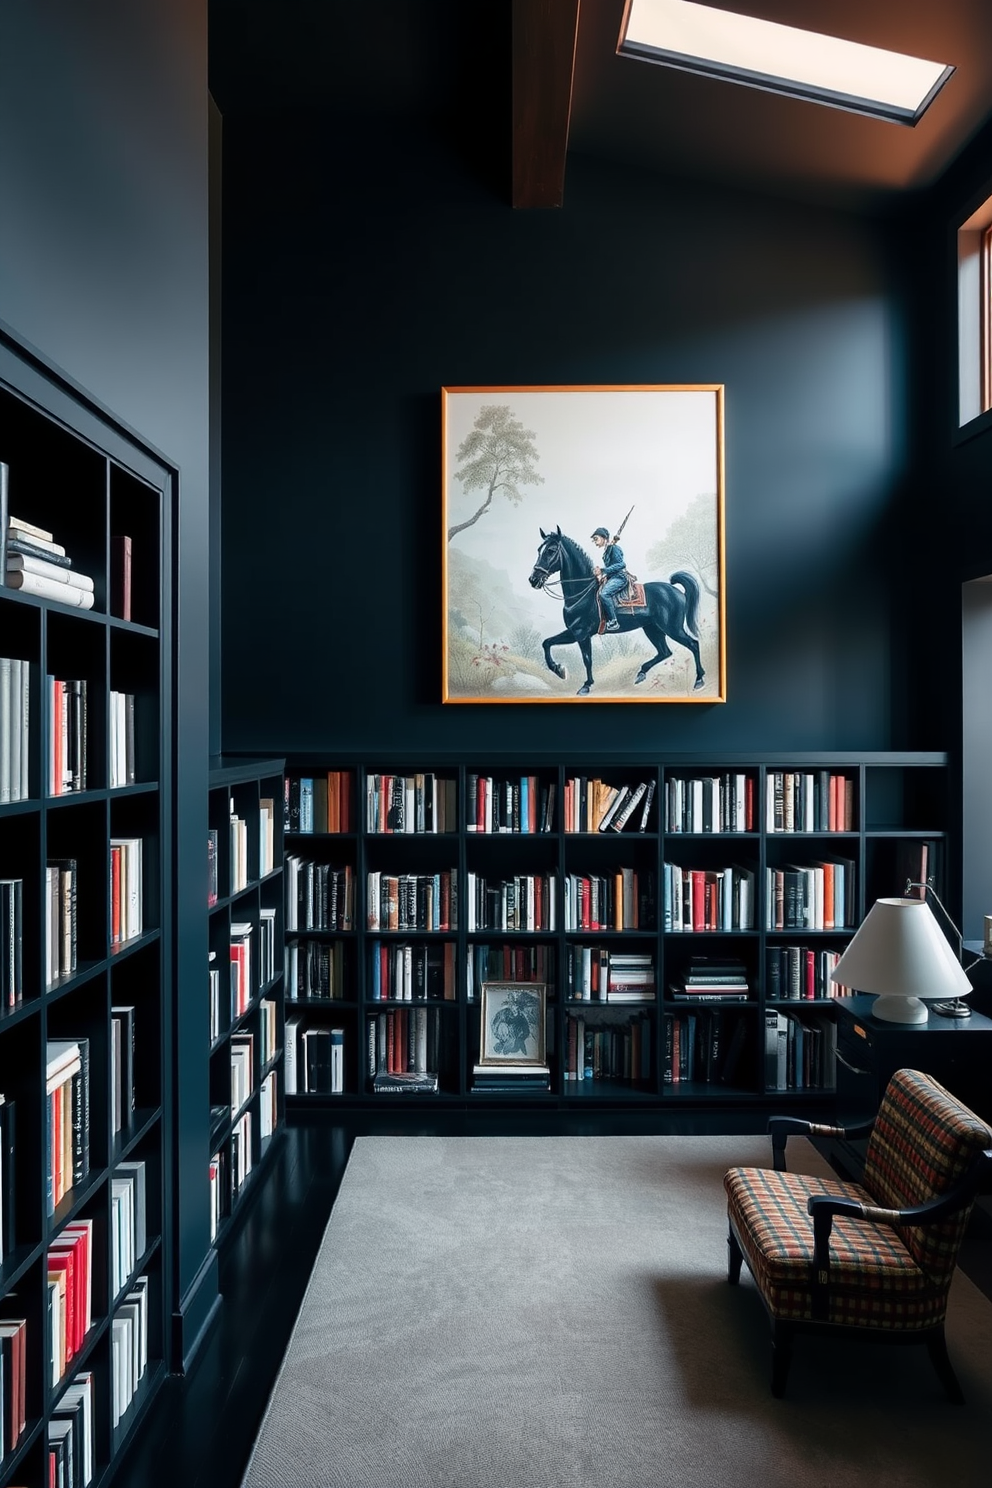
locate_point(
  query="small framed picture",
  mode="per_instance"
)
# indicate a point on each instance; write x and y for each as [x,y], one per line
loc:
[513,1023]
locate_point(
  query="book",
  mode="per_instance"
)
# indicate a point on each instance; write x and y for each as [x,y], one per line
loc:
[35,548]
[67,594]
[646,808]
[43,568]
[337,1061]
[411,1082]
[19,527]
[120,577]
[11,941]
[623,816]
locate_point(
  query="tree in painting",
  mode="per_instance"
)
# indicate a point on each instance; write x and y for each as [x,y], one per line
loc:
[690,542]
[498,455]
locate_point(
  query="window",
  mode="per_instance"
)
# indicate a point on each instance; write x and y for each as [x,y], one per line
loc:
[975,314]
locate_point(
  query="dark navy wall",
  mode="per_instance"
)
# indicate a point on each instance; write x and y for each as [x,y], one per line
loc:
[104,269]
[362,274]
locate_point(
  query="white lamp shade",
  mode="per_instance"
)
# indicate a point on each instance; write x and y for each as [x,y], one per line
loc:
[901,955]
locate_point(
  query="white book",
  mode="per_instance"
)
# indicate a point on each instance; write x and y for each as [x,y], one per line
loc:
[374,889]
[291,1055]
[67,594]
[740,803]
[55,1297]
[809,794]
[119,1389]
[23,563]
[17,527]
[337,1061]
[292,874]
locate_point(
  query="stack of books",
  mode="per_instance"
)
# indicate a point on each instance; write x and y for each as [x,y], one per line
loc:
[710,980]
[521,1079]
[36,564]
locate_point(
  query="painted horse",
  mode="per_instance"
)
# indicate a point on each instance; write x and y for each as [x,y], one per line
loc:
[668,613]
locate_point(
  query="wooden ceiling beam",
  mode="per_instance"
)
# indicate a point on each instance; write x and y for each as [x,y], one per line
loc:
[544,34]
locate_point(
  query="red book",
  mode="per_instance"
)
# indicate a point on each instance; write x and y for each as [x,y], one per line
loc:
[582,904]
[80,1232]
[749,803]
[810,975]
[71,1251]
[64,1261]
[697,881]
[58,703]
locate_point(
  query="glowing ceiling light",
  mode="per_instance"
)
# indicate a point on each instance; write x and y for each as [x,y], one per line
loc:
[781,59]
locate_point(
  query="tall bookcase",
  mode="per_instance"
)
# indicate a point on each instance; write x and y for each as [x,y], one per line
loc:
[85,1025]
[245,904]
[345,966]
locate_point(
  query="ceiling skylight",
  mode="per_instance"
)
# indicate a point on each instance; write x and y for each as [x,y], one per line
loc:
[780,59]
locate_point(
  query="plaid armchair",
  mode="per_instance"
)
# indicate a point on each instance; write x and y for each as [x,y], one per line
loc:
[872,1260]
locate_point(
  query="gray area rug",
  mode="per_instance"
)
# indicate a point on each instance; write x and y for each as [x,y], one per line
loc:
[553,1312]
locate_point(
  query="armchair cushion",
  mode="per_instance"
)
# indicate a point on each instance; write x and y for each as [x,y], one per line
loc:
[874,1280]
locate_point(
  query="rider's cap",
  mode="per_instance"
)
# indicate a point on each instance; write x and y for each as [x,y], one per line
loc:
[601,532]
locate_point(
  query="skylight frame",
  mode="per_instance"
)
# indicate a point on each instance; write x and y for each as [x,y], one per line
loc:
[774,82]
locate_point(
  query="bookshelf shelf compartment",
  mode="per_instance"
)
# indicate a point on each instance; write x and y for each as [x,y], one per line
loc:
[244,1031]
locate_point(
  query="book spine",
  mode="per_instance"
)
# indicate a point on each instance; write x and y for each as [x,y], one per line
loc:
[30,548]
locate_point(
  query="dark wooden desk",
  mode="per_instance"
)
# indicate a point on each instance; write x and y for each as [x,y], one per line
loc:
[955,1051]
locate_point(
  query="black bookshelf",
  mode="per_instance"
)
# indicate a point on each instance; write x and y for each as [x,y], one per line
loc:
[245,906]
[896,806]
[91,1144]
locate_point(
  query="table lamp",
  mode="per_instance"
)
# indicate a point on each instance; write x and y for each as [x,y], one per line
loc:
[901,956]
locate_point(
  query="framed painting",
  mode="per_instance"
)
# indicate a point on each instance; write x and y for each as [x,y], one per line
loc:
[512,1028]
[583,544]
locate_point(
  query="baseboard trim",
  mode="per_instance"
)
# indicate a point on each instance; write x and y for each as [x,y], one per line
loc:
[196,1313]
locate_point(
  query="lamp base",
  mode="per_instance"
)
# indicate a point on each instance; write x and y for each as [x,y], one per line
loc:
[895,1009]
[955,1009]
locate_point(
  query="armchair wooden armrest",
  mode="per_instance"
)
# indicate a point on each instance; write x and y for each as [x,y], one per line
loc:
[780,1128]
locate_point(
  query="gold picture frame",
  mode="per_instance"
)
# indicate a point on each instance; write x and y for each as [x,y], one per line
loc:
[542,489]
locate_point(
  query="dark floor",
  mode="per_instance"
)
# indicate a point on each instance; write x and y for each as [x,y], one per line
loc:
[200,1429]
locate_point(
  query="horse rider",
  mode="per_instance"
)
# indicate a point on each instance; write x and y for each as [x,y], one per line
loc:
[612,575]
